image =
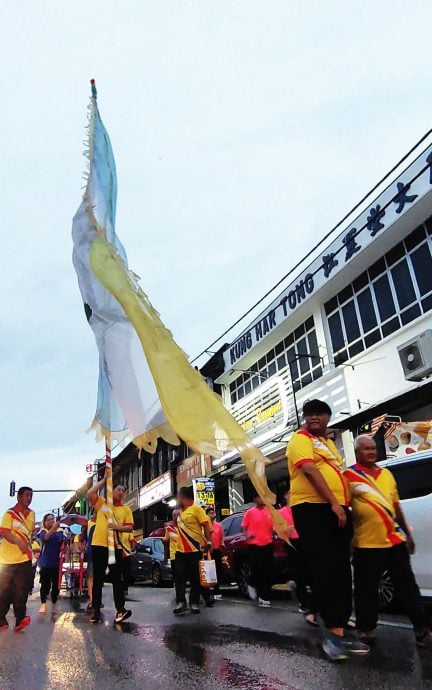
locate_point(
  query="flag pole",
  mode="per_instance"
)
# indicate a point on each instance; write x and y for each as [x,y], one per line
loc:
[109,498]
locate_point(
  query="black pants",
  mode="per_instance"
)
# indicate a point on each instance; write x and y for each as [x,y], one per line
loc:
[369,565]
[326,550]
[15,582]
[217,557]
[100,563]
[186,568]
[126,573]
[302,578]
[261,563]
[49,581]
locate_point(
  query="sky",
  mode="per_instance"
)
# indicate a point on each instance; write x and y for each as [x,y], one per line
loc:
[243,131]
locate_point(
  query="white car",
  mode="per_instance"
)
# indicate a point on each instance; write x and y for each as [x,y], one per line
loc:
[413,474]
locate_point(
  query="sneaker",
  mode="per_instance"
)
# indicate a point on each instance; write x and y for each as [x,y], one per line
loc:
[252,592]
[302,610]
[195,608]
[333,649]
[43,608]
[95,618]
[264,603]
[180,608]
[22,624]
[424,639]
[122,616]
[354,647]
[217,597]
[367,637]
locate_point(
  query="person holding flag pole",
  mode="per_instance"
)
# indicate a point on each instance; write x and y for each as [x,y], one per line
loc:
[112,521]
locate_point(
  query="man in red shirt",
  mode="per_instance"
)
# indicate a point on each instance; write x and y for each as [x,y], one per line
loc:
[258,528]
[217,538]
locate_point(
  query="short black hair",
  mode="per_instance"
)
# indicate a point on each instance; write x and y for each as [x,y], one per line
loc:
[117,484]
[47,516]
[316,407]
[187,492]
[24,488]
[210,509]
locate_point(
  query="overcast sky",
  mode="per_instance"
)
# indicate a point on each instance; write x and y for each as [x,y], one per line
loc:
[242,129]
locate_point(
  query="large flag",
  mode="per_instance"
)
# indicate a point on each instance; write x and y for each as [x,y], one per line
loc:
[119,312]
[127,400]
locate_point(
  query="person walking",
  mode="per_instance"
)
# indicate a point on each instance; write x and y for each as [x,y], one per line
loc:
[50,538]
[194,537]
[122,523]
[257,526]
[217,538]
[382,541]
[16,560]
[91,524]
[319,501]
[308,606]
[171,537]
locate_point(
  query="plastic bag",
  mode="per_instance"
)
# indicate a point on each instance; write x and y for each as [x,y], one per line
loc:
[207,570]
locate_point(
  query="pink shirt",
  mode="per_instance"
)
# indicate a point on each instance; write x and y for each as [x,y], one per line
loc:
[286,513]
[217,535]
[258,523]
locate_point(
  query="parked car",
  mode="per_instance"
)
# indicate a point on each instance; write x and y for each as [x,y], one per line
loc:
[413,474]
[236,566]
[149,563]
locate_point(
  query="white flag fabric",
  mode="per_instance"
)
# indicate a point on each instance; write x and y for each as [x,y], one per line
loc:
[127,402]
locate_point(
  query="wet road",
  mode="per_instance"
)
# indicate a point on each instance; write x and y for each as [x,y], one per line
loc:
[234,646]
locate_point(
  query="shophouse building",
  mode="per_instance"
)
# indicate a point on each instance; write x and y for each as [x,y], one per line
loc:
[353,328]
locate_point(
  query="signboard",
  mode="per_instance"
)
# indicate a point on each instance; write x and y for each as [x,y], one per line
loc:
[408,437]
[265,408]
[155,491]
[191,468]
[385,210]
[204,492]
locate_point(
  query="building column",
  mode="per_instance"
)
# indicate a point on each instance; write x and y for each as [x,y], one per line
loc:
[235,492]
[348,447]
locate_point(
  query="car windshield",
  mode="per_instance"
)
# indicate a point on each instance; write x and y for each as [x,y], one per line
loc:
[414,479]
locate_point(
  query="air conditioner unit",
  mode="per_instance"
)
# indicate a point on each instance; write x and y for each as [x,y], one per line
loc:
[416,356]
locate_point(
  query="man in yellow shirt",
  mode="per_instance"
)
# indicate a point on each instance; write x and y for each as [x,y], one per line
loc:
[16,560]
[194,536]
[382,541]
[122,525]
[171,537]
[319,502]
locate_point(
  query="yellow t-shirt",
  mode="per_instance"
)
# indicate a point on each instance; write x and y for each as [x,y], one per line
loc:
[171,537]
[373,500]
[21,524]
[305,447]
[190,524]
[122,515]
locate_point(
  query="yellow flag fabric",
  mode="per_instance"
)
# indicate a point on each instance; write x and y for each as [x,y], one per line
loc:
[195,412]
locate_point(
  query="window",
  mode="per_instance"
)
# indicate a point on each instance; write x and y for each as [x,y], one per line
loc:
[299,351]
[236,525]
[394,291]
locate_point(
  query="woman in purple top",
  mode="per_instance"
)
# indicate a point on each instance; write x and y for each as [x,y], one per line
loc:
[51,538]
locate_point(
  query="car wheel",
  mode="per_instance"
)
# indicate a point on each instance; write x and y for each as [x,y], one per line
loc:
[386,592]
[156,576]
[243,577]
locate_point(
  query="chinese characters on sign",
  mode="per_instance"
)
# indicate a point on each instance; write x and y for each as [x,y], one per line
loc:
[392,202]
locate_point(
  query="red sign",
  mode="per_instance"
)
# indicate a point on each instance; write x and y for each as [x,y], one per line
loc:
[192,468]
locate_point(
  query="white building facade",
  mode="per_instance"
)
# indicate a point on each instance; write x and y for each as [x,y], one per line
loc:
[334,332]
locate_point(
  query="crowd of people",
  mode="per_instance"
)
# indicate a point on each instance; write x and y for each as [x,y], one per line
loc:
[343,525]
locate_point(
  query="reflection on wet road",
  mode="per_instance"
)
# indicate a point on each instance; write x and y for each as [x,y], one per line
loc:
[234,646]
